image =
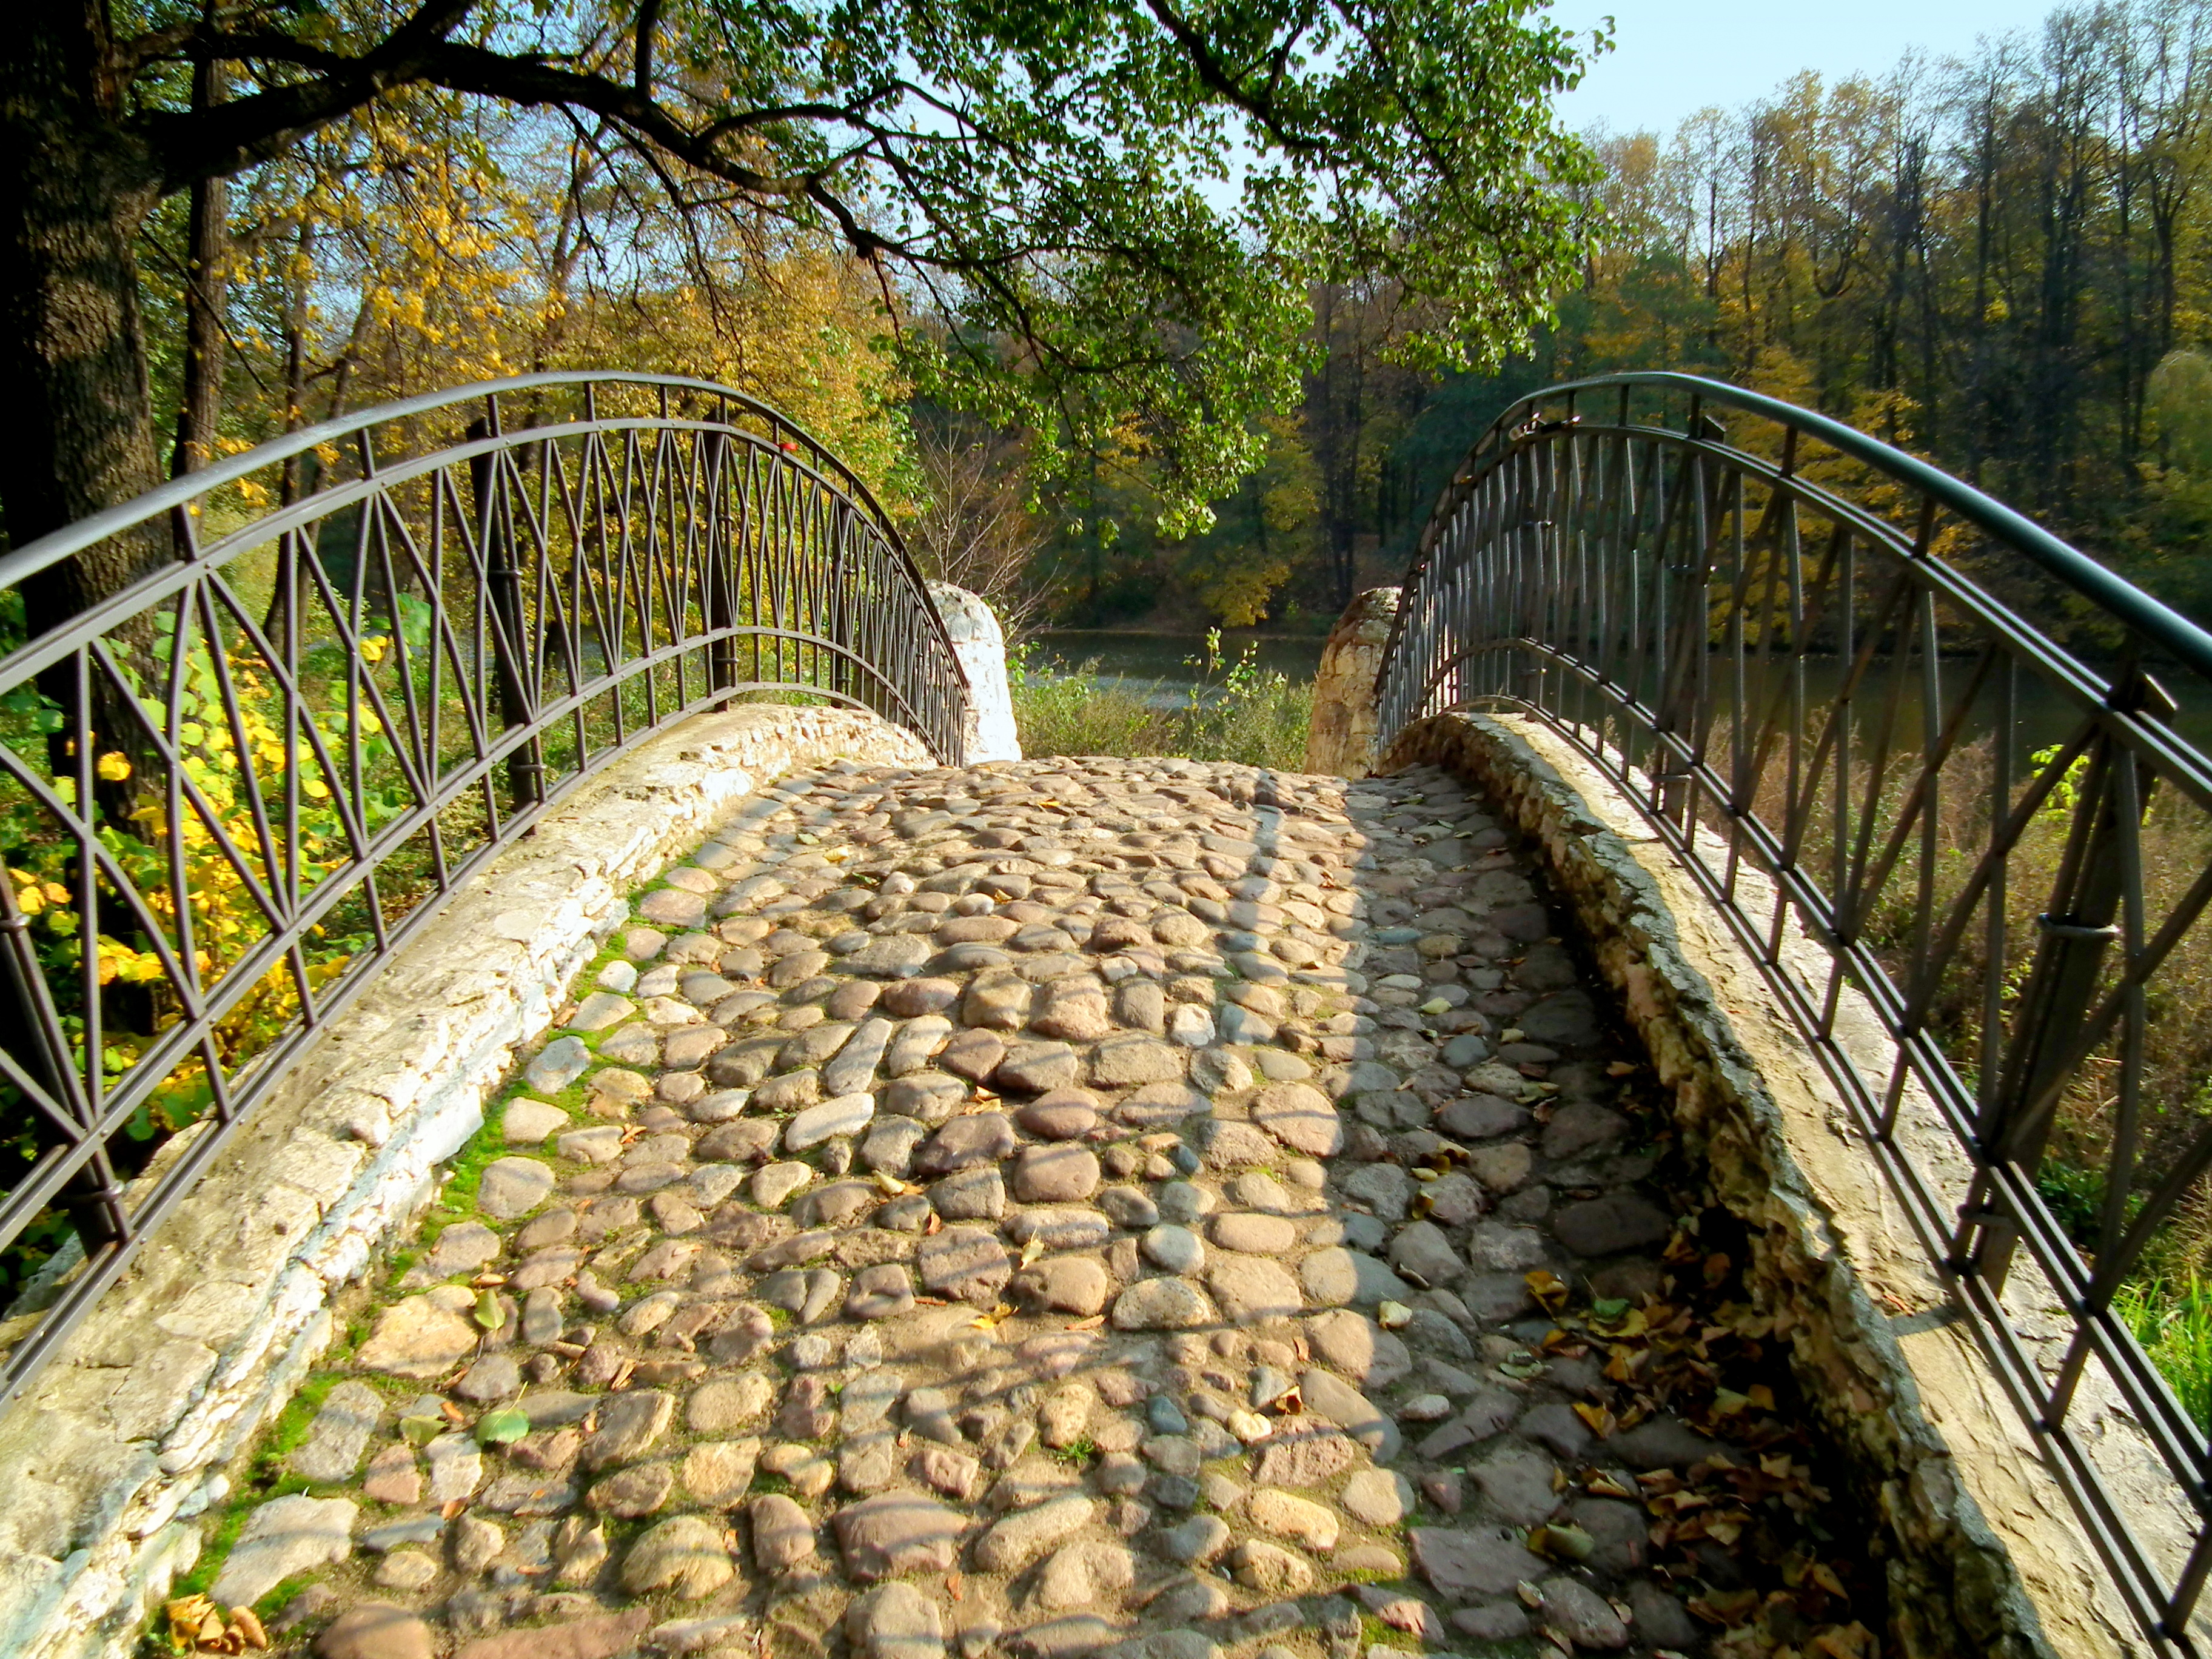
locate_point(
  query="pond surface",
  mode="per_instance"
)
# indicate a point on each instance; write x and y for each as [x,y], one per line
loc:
[1160,666]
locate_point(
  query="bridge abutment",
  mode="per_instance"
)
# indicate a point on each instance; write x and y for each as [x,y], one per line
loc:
[1342,740]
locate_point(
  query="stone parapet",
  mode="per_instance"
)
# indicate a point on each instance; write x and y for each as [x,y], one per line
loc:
[1342,741]
[119,1444]
[1981,1550]
[980,645]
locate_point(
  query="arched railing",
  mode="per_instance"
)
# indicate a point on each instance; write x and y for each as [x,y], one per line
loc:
[1867,706]
[362,659]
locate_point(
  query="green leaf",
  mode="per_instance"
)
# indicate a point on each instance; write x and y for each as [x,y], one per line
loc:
[502,1428]
[489,1314]
[421,1431]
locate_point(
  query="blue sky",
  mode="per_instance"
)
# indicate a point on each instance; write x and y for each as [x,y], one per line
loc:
[1673,58]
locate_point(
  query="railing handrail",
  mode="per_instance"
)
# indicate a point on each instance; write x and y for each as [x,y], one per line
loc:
[545,598]
[2157,623]
[17,563]
[1710,626]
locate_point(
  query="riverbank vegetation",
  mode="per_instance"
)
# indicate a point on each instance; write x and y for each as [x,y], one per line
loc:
[1231,710]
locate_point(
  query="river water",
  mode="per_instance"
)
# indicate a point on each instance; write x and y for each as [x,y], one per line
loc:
[1160,666]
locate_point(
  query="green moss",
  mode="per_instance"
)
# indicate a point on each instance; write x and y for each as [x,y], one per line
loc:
[286,1592]
[222,1535]
[265,1478]
[1373,1576]
[458,1201]
[282,1438]
[1373,1631]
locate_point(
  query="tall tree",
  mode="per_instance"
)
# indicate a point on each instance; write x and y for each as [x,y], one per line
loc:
[1136,193]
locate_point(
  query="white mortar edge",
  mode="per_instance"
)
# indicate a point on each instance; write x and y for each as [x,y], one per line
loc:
[113,1453]
[1987,1479]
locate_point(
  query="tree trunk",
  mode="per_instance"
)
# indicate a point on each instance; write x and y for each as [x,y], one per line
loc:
[205,241]
[73,194]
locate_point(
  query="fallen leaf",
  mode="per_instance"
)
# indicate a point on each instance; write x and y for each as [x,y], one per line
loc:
[503,1427]
[249,1626]
[1550,1291]
[1851,1641]
[1726,1608]
[488,1313]
[185,1615]
[1562,1541]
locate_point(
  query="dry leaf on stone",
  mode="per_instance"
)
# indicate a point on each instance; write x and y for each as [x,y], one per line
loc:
[1550,1291]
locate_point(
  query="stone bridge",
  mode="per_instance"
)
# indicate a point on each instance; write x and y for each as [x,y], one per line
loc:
[1135,1205]
[1050,1207]
[803,1200]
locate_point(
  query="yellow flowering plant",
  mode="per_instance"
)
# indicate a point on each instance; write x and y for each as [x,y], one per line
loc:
[205,885]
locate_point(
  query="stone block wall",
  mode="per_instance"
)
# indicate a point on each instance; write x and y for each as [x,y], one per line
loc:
[1981,1551]
[110,1459]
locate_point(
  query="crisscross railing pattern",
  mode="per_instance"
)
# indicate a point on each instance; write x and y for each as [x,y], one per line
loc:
[1814,664]
[361,660]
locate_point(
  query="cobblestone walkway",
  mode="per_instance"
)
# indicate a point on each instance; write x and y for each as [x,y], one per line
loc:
[1145,1206]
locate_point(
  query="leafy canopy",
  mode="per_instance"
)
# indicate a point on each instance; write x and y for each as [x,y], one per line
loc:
[1109,211]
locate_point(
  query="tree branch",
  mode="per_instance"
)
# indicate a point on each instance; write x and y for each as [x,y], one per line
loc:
[217,143]
[648,21]
[1215,75]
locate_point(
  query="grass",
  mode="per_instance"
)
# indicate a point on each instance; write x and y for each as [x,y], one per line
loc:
[1077,1454]
[2174,1325]
[1241,712]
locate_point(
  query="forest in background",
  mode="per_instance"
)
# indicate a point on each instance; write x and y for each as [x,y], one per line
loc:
[2000,263]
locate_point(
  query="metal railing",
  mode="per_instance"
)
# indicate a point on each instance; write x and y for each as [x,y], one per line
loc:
[1812,663]
[362,659]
